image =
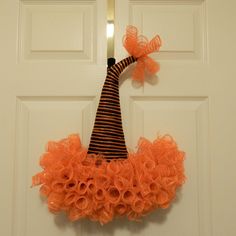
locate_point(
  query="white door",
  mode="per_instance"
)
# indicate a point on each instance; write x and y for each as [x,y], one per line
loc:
[53,64]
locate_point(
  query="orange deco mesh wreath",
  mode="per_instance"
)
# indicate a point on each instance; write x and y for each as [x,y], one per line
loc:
[107,181]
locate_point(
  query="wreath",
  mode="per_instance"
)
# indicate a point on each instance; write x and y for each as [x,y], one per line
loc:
[105,180]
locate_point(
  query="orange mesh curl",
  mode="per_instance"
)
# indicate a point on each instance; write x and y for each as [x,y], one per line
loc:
[139,47]
[93,188]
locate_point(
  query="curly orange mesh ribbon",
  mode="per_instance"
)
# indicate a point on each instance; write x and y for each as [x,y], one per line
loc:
[74,183]
[139,47]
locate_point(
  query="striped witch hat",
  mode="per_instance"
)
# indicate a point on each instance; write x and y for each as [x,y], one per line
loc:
[107,136]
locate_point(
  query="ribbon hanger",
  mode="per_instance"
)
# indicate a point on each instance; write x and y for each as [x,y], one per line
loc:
[110,32]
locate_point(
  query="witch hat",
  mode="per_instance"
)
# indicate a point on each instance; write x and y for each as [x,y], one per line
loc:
[108,137]
[106,181]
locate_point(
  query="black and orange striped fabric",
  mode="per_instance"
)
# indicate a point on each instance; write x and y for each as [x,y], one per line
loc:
[107,138]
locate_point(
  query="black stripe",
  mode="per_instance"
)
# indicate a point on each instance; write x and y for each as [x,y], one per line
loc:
[106,135]
[111,93]
[107,150]
[108,95]
[109,120]
[108,104]
[112,126]
[104,131]
[106,111]
[108,140]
